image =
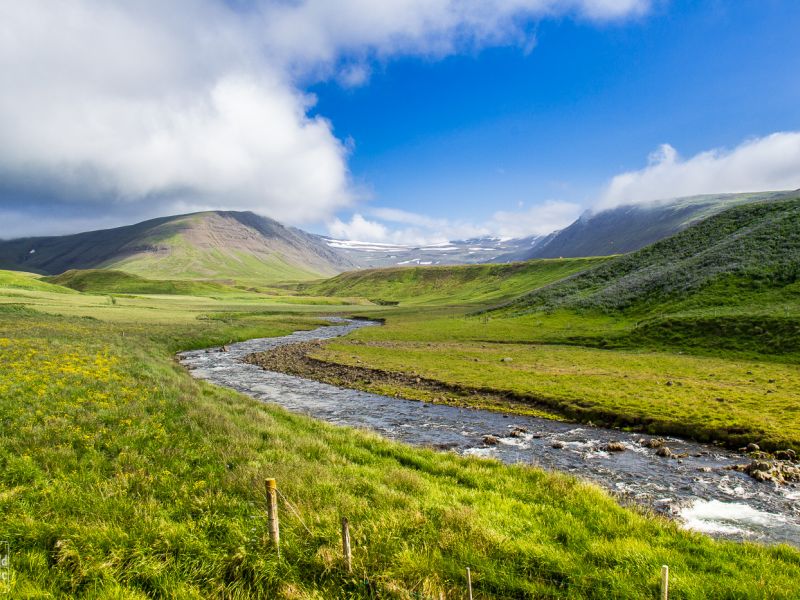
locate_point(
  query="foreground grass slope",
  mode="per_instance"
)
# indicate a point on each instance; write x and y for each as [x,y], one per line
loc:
[467,284]
[122,477]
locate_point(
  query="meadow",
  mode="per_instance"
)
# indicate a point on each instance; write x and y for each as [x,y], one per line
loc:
[123,477]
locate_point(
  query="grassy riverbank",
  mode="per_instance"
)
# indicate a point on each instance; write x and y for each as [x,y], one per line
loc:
[123,477]
[564,363]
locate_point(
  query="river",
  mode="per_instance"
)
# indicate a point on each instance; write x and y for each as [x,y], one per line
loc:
[697,490]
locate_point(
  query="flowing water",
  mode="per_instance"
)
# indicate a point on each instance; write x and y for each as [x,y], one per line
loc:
[696,489]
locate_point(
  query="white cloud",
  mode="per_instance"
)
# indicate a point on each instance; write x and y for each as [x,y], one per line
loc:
[121,104]
[190,104]
[317,32]
[539,219]
[761,164]
[418,230]
[359,229]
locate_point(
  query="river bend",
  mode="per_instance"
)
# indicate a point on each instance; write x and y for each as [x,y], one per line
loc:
[697,490]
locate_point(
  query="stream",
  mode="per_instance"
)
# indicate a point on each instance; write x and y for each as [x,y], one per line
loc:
[696,490]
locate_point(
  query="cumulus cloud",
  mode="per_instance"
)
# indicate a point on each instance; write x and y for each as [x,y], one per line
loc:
[113,104]
[761,164]
[314,33]
[194,104]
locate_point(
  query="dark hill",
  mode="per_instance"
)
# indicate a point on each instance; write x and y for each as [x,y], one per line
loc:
[757,245]
[628,228]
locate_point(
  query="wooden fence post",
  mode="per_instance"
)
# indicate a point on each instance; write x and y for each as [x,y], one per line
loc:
[272,513]
[665,582]
[469,583]
[348,554]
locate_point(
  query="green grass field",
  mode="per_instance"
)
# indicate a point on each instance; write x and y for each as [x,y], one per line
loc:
[102,281]
[122,477]
[452,285]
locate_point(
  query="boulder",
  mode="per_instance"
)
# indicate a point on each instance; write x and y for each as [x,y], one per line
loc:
[653,443]
[664,452]
[615,447]
[490,440]
[761,476]
[759,465]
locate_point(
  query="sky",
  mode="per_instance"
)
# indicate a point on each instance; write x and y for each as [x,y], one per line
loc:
[404,121]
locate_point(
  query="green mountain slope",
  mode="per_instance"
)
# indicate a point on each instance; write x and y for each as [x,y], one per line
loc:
[629,228]
[748,250]
[217,245]
[465,284]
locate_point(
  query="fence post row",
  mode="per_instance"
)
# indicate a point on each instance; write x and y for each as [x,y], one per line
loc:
[272,513]
[274,538]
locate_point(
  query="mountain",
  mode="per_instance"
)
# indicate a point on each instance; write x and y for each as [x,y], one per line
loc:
[458,252]
[628,228]
[614,231]
[216,245]
[743,252]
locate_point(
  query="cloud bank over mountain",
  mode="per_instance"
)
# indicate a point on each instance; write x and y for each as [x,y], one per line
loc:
[159,107]
[760,164]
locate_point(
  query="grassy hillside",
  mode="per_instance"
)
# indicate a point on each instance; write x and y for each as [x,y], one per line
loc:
[124,477]
[15,280]
[756,245]
[210,245]
[470,284]
[102,281]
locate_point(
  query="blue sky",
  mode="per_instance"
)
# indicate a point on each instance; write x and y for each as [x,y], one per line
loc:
[487,130]
[403,120]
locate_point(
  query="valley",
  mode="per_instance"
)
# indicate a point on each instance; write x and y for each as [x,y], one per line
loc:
[691,338]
